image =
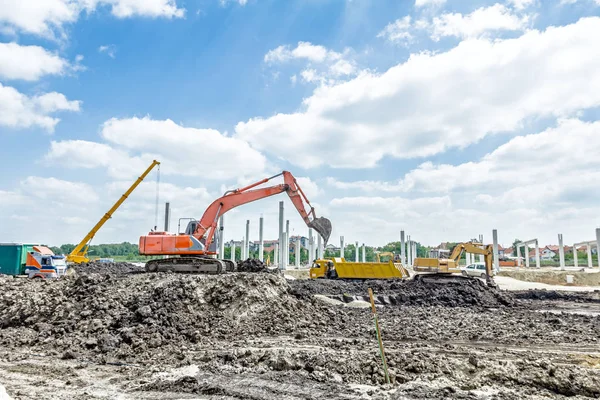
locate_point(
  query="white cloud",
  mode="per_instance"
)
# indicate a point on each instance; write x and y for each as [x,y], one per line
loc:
[304,50]
[29,63]
[57,191]
[132,143]
[20,111]
[429,3]
[481,21]
[533,186]
[109,49]
[323,66]
[434,102]
[240,2]
[48,17]
[522,4]
[398,31]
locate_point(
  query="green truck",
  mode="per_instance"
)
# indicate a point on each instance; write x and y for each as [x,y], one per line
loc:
[13,257]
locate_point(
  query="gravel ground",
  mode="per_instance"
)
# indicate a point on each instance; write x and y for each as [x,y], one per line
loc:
[258,336]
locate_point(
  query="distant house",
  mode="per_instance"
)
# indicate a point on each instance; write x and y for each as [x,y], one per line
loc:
[332,247]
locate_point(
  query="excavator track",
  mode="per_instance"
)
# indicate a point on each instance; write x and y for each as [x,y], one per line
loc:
[444,278]
[194,265]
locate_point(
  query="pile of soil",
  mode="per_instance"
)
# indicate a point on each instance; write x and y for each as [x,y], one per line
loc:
[254,265]
[111,268]
[130,317]
[553,277]
[453,293]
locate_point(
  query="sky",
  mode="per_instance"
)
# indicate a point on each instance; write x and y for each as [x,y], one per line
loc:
[442,118]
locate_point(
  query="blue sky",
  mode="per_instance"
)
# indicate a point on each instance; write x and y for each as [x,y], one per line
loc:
[443,118]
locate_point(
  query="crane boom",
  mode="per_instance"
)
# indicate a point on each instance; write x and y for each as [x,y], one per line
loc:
[79,253]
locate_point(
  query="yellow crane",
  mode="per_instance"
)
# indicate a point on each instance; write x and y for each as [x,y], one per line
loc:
[79,253]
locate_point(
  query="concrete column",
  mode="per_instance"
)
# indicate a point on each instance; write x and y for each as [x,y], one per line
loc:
[356,252]
[481,258]
[276,255]
[168,216]
[496,255]
[310,245]
[575,258]
[319,246]
[409,251]
[261,242]
[341,247]
[598,245]
[364,253]
[287,241]
[518,251]
[297,263]
[221,237]
[233,251]
[537,254]
[281,238]
[589,254]
[247,239]
[561,251]
[527,256]
[402,249]
[415,255]
[468,259]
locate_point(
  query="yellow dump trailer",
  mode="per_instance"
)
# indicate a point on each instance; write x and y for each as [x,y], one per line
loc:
[339,268]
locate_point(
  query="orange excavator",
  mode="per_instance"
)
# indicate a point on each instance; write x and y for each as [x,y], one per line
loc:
[193,248]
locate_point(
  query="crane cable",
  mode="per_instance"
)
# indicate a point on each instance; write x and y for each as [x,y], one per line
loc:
[157,197]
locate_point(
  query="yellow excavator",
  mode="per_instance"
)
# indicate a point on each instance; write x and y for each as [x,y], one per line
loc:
[389,254]
[79,253]
[443,267]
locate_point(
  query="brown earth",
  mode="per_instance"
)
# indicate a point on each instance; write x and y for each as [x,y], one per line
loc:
[258,336]
[554,277]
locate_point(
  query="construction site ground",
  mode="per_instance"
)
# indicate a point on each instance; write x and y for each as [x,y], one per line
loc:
[125,334]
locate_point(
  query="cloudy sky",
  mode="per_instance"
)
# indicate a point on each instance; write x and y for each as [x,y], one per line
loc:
[444,118]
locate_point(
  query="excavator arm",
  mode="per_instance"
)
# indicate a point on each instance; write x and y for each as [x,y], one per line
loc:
[206,227]
[486,250]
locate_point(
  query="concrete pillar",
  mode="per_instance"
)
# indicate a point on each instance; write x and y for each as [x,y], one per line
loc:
[589,254]
[247,243]
[261,242]
[481,257]
[402,249]
[408,251]
[310,245]
[518,251]
[415,255]
[221,237]
[598,245]
[575,258]
[356,252]
[496,255]
[297,263]
[233,251]
[319,247]
[281,238]
[341,247]
[561,252]
[287,242]
[364,253]
[537,254]
[468,259]
[527,256]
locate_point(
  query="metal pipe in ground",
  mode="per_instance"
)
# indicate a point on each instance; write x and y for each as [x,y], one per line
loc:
[378,331]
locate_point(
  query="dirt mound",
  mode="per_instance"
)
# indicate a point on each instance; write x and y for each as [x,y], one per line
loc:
[542,294]
[453,293]
[254,265]
[132,316]
[111,268]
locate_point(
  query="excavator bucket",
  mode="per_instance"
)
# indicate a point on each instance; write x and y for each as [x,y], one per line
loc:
[322,226]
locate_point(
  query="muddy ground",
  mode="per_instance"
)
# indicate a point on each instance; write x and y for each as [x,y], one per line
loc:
[257,336]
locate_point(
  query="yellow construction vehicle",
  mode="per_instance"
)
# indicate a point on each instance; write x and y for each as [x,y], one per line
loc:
[385,254]
[339,268]
[79,253]
[450,265]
